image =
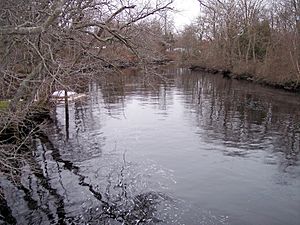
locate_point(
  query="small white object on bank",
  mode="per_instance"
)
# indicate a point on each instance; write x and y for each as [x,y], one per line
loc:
[71,95]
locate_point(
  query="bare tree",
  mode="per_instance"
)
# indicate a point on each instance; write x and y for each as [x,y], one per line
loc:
[56,39]
[256,37]
[61,44]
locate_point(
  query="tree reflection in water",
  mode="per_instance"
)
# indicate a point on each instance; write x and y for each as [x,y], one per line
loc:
[125,199]
[245,118]
[76,182]
[121,194]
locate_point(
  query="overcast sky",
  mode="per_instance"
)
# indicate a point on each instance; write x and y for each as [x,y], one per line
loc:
[189,10]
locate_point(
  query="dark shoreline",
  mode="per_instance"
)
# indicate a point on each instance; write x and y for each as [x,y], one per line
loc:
[288,86]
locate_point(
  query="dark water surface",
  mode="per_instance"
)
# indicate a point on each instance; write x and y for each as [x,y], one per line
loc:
[198,149]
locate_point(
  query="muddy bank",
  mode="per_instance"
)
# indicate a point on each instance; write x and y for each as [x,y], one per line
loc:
[292,86]
[125,64]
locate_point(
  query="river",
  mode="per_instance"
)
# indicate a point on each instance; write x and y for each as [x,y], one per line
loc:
[193,149]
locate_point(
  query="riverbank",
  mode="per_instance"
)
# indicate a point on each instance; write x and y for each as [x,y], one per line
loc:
[292,86]
[18,130]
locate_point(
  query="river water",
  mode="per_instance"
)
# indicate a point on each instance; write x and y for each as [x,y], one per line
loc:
[193,149]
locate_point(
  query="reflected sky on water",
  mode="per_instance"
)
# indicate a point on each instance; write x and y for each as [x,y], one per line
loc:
[194,149]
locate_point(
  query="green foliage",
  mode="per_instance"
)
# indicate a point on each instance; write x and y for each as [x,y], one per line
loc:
[263,33]
[4,104]
[256,37]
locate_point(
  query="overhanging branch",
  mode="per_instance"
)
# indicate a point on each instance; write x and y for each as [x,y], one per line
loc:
[18,30]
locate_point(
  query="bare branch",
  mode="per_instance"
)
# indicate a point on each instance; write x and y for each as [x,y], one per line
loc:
[19,30]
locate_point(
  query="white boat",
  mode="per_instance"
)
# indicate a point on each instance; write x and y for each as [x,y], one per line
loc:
[71,95]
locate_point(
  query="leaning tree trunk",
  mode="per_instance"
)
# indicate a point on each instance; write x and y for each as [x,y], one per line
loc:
[25,84]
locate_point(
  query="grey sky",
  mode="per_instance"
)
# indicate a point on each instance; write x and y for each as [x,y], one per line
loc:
[189,10]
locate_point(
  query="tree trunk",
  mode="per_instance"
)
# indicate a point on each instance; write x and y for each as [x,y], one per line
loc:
[24,85]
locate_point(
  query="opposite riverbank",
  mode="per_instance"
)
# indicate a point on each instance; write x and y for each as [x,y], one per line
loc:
[292,86]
